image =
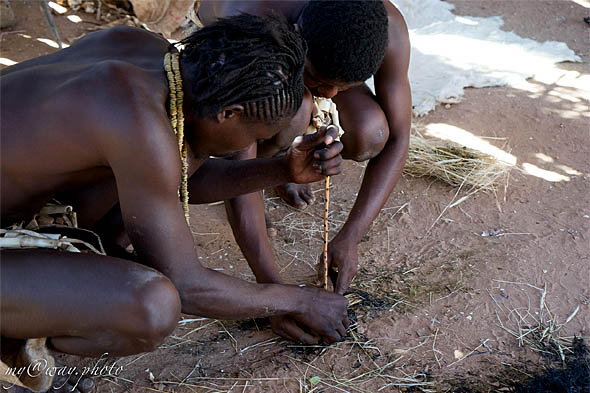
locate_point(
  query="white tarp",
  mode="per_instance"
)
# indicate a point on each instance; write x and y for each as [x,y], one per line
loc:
[451,52]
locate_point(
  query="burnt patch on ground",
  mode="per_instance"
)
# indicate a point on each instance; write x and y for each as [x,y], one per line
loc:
[553,376]
[571,377]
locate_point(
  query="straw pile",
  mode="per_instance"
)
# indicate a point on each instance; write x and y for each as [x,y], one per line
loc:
[454,164]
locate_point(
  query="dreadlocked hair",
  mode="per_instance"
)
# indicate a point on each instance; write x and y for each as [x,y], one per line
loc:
[253,61]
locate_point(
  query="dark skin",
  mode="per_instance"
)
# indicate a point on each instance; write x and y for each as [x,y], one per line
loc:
[377,128]
[90,124]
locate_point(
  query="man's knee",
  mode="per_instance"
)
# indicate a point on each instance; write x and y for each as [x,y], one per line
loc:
[157,310]
[367,139]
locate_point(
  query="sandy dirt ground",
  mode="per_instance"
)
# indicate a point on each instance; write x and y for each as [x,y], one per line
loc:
[434,299]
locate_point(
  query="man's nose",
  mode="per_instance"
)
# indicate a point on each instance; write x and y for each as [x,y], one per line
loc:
[327,91]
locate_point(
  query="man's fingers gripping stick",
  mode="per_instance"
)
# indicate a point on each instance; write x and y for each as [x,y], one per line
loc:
[324,113]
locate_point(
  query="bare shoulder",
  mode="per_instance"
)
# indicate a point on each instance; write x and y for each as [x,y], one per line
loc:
[397,56]
[210,10]
[120,37]
[87,103]
[398,30]
[128,106]
[114,96]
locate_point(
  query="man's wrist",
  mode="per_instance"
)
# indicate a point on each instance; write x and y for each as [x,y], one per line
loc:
[349,234]
[283,159]
[300,302]
[293,302]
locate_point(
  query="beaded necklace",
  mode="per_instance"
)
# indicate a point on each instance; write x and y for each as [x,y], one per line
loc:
[172,67]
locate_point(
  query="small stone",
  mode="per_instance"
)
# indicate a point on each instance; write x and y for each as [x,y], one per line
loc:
[447,106]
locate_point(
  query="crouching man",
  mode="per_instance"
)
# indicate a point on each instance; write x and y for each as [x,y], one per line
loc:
[122,120]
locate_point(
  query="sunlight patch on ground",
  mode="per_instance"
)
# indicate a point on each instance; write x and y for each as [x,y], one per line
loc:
[564,94]
[550,160]
[569,170]
[544,157]
[544,174]
[74,18]
[57,8]
[466,138]
[7,62]
[571,93]
[583,3]
[576,80]
[571,115]
[51,43]
[536,89]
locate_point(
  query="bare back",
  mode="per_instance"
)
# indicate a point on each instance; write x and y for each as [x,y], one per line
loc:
[56,109]
[211,10]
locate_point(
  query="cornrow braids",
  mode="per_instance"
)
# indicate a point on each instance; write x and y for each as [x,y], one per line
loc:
[253,61]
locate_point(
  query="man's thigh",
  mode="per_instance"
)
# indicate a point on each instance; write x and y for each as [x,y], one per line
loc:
[53,293]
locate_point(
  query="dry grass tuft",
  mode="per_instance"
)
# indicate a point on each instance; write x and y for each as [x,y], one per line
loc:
[454,164]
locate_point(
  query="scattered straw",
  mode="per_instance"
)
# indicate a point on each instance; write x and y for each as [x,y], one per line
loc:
[538,329]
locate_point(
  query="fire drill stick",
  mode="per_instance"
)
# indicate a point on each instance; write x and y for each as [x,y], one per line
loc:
[326,213]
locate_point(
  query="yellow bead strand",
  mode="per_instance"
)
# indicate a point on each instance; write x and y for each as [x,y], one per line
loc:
[172,67]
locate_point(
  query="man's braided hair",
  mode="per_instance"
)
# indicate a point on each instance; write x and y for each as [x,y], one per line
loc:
[248,60]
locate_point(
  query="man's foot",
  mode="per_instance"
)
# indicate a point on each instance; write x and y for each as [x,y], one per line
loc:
[296,195]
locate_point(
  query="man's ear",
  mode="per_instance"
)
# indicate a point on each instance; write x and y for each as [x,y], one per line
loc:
[228,112]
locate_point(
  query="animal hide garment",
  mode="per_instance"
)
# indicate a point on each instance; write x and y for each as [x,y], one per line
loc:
[451,52]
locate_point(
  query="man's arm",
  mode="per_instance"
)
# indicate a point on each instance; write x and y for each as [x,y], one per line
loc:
[209,183]
[246,217]
[393,94]
[146,165]
[302,164]
[245,214]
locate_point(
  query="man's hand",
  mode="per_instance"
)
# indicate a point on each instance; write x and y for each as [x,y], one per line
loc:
[324,313]
[288,328]
[342,264]
[312,157]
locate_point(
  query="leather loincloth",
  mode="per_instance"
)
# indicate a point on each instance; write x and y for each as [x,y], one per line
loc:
[23,362]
